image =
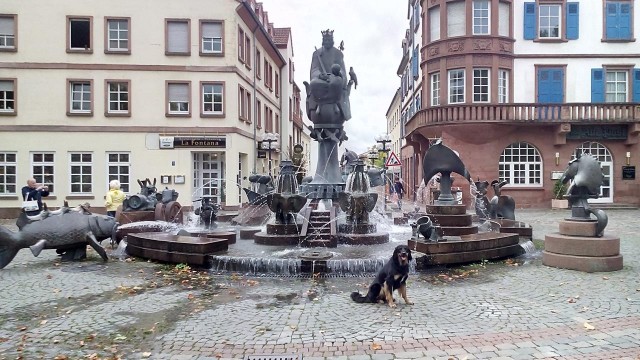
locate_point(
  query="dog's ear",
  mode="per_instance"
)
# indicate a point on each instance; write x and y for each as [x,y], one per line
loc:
[394,257]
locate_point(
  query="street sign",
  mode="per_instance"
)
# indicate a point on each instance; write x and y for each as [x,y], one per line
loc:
[393,160]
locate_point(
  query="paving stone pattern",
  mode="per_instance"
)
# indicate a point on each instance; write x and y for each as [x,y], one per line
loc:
[517,309]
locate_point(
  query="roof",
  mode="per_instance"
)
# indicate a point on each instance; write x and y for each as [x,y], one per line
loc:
[281,35]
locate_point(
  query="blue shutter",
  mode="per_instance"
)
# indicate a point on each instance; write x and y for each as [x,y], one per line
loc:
[624,21]
[612,10]
[416,71]
[636,85]
[597,85]
[572,20]
[529,20]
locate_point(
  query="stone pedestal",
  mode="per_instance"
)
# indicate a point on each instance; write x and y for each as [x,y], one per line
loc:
[576,247]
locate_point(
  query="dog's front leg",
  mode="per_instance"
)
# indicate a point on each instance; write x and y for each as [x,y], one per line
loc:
[388,295]
[403,293]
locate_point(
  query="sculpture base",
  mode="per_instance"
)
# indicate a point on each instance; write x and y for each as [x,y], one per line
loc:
[321,191]
[357,228]
[264,238]
[174,248]
[363,239]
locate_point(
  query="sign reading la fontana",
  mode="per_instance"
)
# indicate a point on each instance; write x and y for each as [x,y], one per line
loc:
[192,142]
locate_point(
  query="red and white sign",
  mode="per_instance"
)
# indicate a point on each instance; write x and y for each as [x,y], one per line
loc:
[393,160]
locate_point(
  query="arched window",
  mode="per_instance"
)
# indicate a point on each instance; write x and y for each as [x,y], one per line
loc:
[521,165]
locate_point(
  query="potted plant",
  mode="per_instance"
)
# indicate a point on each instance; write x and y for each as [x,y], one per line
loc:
[558,201]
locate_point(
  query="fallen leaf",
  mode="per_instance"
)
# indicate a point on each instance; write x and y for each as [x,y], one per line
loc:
[571,300]
[146,354]
[43,322]
[23,328]
[588,326]
[81,343]
[191,297]
[605,278]
[375,346]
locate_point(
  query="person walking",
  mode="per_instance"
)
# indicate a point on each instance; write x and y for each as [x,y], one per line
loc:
[34,192]
[398,187]
[115,197]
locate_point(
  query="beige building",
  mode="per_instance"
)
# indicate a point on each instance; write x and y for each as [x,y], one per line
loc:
[179,92]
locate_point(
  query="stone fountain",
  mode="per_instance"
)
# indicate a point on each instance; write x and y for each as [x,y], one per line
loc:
[449,235]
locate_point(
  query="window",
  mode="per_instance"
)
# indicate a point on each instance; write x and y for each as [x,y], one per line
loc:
[7,33]
[79,34]
[456,86]
[80,97]
[435,89]
[503,86]
[259,114]
[480,85]
[247,49]
[212,99]
[268,75]
[277,85]
[258,64]
[618,20]
[211,38]
[544,21]
[616,86]
[434,23]
[7,97]
[8,173]
[504,18]
[81,173]
[178,98]
[118,168]
[244,48]
[118,35]
[42,168]
[481,17]
[178,37]
[549,21]
[521,165]
[244,104]
[455,19]
[118,97]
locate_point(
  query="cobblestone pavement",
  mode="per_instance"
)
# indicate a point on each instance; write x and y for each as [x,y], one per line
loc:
[133,309]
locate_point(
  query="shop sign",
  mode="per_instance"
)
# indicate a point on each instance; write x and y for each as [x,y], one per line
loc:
[598,132]
[199,142]
[166,142]
[628,173]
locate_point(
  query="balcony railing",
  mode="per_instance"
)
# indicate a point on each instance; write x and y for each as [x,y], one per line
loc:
[526,113]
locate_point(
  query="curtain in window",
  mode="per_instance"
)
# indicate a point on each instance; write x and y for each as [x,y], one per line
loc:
[455,19]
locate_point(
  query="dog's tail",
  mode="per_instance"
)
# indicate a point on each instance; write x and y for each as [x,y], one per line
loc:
[357,297]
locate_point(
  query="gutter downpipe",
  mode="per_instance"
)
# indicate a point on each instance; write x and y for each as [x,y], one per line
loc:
[255,102]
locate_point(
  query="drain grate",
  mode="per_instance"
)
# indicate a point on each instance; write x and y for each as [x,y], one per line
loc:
[273,357]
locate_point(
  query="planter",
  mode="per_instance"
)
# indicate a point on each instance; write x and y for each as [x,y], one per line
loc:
[559,203]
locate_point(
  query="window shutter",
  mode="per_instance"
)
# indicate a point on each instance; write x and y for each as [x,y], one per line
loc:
[6,26]
[612,21]
[178,37]
[179,92]
[456,25]
[6,85]
[415,64]
[212,30]
[624,21]
[504,11]
[597,85]
[636,85]
[529,20]
[572,20]
[434,23]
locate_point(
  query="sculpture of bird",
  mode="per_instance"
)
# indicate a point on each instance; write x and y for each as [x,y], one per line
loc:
[352,77]
[341,47]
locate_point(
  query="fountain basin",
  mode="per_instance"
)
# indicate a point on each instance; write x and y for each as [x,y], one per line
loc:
[174,248]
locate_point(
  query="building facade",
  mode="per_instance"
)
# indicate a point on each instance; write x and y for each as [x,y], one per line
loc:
[93,91]
[520,88]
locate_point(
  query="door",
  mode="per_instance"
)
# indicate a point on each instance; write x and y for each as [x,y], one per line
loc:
[603,155]
[208,176]
[550,91]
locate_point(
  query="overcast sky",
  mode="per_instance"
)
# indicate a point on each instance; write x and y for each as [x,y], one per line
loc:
[372,32]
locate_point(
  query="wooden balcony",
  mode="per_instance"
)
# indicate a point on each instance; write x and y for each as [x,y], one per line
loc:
[611,113]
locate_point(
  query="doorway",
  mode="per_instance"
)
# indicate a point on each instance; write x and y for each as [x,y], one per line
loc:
[208,176]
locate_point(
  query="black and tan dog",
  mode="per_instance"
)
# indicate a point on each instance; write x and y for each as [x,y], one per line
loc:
[392,276]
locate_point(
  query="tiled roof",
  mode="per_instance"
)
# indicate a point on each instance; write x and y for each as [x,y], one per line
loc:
[281,35]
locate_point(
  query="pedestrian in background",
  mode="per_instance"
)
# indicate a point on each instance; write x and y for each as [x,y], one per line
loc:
[34,192]
[398,187]
[115,197]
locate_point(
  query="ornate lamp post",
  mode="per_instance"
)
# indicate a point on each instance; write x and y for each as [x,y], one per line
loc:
[372,156]
[269,142]
[383,141]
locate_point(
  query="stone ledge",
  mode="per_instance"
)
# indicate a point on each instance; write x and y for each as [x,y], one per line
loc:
[582,263]
[582,246]
[578,228]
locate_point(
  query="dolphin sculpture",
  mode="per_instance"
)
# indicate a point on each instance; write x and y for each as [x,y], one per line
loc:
[441,159]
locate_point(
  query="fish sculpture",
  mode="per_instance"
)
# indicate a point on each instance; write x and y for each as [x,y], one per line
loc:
[66,229]
[441,159]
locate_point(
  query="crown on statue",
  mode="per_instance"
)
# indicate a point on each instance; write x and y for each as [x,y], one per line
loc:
[327,33]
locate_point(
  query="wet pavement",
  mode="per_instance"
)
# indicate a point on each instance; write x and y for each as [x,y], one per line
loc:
[512,309]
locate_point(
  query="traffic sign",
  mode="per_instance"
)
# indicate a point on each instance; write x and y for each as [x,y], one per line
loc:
[393,160]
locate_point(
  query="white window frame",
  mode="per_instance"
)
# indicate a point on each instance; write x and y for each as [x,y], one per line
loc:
[434,23]
[504,18]
[84,97]
[435,89]
[181,28]
[119,35]
[174,106]
[119,92]
[39,168]
[8,173]
[7,103]
[451,87]
[214,44]
[78,178]
[521,165]
[123,159]
[456,15]
[503,86]
[613,92]
[548,17]
[7,32]
[481,90]
[89,21]
[481,11]
[212,102]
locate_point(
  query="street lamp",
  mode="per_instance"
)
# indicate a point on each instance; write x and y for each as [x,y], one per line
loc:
[269,142]
[383,141]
